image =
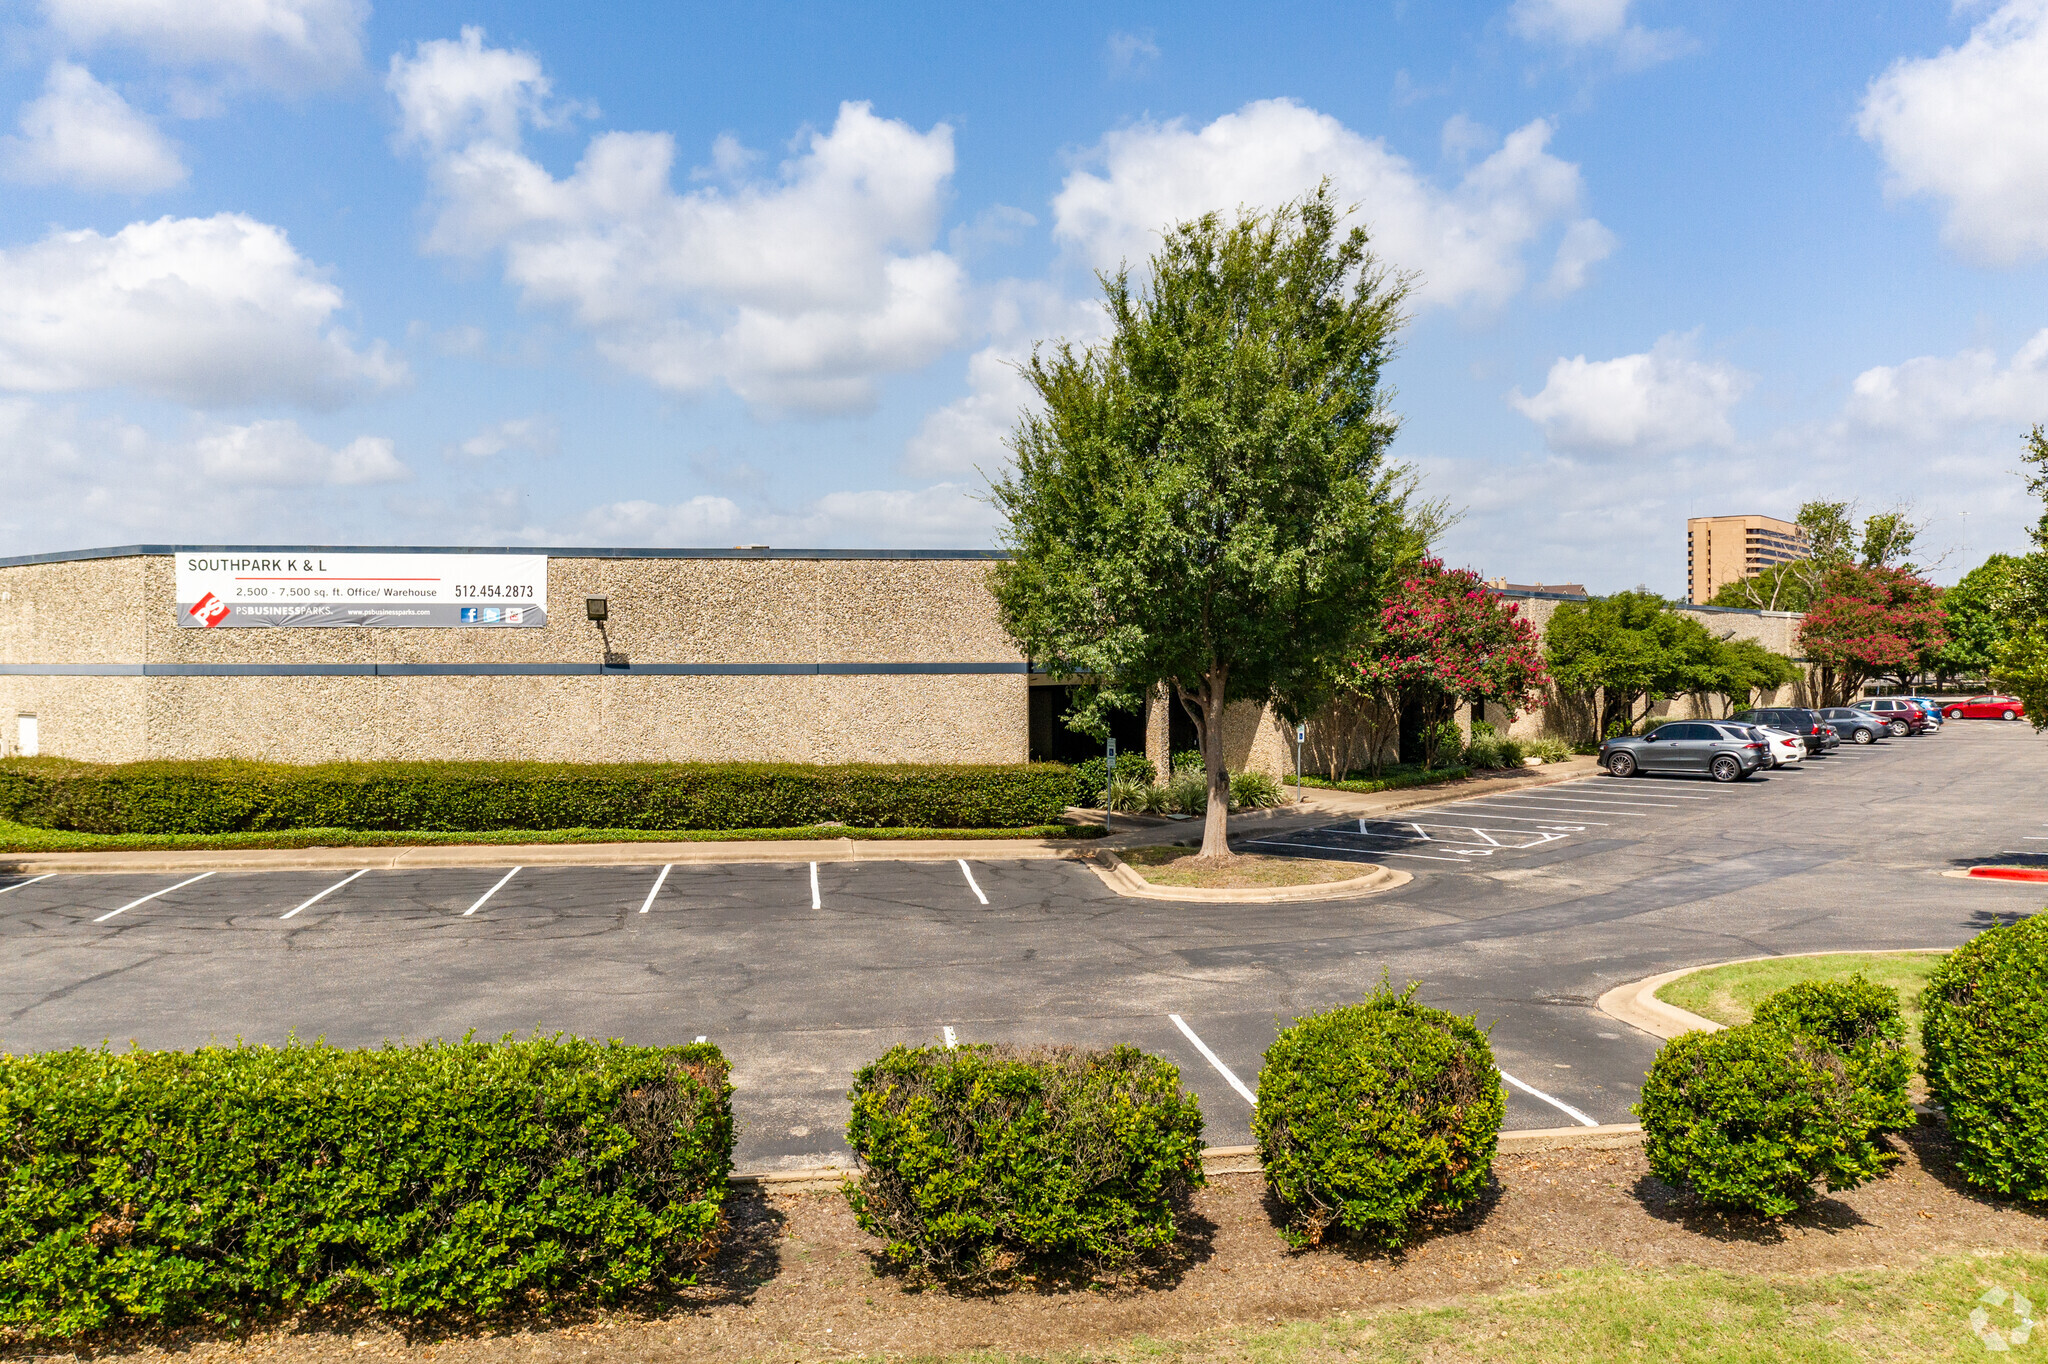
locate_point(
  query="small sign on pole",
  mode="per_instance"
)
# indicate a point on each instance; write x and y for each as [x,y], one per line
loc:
[1300,738]
[1108,781]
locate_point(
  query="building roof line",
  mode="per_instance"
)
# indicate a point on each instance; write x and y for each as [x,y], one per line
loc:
[551,551]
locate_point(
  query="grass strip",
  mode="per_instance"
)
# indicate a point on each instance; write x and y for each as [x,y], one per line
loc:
[1177,866]
[1730,994]
[1609,1312]
[22,838]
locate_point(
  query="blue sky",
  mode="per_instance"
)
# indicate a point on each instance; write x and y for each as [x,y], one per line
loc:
[305,270]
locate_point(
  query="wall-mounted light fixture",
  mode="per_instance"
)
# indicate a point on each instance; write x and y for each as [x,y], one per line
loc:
[599,610]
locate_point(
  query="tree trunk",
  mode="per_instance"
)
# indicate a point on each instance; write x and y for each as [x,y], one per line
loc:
[1216,822]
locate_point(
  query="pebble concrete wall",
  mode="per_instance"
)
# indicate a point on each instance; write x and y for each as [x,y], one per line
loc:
[120,611]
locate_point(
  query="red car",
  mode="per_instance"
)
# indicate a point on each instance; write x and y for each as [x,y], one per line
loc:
[1985,708]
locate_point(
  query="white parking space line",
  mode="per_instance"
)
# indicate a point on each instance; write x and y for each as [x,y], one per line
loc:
[147,898]
[971,883]
[947,1032]
[1570,809]
[816,901]
[648,903]
[324,894]
[31,881]
[1213,1059]
[489,893]
[1574,825]
[1559,1104]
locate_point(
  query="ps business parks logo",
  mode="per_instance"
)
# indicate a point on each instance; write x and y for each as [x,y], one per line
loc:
[209,611]
[493,615]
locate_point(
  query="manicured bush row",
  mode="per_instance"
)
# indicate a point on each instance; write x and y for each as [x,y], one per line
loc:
[1984,1033]
[1394,782]
[1376,1117]
[979,1161]
[155,1187]
[224,797]
[1753,1118]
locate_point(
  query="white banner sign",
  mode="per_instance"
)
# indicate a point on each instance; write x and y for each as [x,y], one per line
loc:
[279,587]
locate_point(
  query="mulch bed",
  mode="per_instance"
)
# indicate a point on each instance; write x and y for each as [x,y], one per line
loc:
[796,1280]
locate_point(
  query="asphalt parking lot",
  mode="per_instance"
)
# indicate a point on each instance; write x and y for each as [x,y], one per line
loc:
[1523,910]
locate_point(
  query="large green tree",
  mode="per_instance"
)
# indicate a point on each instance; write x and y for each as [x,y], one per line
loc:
[1627,649]
[1204,499]
[1980,618]
[2020,660]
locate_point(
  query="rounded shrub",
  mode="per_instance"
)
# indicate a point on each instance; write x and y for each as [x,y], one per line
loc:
[1375,1117]
[1984,1029]
[977,1161]
[1753,1118]
[1860,1020]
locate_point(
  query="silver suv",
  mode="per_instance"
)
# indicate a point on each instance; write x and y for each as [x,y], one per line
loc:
[1725,752]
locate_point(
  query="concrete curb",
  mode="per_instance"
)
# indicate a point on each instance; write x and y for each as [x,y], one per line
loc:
[544,855]
[1119,876]
[1637,1005]
[2031,876]
[1244,1160]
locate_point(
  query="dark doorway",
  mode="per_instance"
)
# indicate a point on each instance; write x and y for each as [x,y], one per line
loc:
[1181,734]
[1052,741]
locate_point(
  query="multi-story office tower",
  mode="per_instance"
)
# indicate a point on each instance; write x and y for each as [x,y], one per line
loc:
[1721,549]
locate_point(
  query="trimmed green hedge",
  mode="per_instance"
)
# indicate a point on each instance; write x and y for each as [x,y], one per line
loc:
[1396,782]
[980,1160]
[1984,1032]
[1754,1118]
[156,1187]
[1860,1021]
[1377,1116]
[233,796]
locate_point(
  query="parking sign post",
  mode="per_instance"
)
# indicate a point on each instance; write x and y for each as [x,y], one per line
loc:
[1300,738]
[1108,781]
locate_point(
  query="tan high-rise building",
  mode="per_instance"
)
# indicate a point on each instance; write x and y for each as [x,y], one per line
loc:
[1721,549]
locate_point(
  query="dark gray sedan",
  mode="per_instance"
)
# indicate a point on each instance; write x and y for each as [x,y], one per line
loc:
[1725,752]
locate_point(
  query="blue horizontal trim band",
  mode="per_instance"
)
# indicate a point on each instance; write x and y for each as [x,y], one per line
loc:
[134,551]
[508,669]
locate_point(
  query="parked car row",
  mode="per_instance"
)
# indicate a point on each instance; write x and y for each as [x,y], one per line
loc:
[1777,736]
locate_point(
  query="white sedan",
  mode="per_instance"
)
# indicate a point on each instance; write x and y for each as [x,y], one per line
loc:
[1786,748]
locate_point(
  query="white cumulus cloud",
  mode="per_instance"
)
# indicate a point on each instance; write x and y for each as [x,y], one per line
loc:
[1662,400]
[942,516]
[1596,23]
[535,435]
[73,478]
[1969,127]
[82,134]
[280,44]
[207,311]
[1468,240]
[796,291]
[1926,398]
[277,454]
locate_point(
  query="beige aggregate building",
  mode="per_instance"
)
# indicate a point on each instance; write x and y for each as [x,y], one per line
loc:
[706,655]
[714,655]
